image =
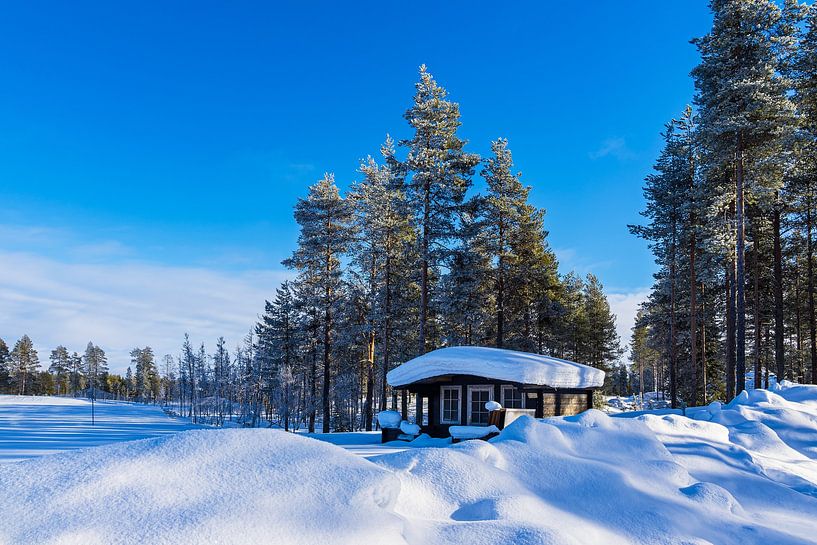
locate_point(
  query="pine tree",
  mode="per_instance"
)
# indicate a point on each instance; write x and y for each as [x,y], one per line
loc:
[600,339]
[804,183]
[5,364]
[326,234]
[60,365]
[503,213]
[744,108]
[440,176]
[465,293]
[381,250]
[95,368]
[24,363]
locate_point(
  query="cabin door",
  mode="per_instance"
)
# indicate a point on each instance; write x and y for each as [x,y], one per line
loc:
[478,396]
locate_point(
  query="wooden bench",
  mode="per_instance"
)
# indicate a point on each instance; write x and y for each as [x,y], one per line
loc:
[502,417]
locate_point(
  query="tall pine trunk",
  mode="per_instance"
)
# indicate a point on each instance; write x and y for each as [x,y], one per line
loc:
[810,278]
[779,354]
[730,329]
[424,273]
[386,333]
[703,342]
[369,409]
[500,296]
[693,313]
[798,324]
[313,386]
[756,297]
[327,375]
[673,364]
[740,275]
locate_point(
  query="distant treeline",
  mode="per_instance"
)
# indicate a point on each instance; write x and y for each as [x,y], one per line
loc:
[731,208]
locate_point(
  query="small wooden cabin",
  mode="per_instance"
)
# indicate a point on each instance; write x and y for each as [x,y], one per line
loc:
[451,385]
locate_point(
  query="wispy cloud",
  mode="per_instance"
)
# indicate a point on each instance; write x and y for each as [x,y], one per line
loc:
[625,306]
[613,147]
[123,305]
[571,260]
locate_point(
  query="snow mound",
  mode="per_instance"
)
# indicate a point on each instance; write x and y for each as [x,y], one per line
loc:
[213,486]
[747,474]
[499,364]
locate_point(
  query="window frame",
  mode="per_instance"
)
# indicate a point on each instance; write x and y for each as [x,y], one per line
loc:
[522,396]
[478,388]
[458,389]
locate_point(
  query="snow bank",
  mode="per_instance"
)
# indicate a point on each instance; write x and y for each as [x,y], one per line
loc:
[509,365]
[593,479]
[209,486]
[743,473]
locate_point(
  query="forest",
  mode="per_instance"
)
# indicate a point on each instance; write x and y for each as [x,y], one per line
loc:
[730,213]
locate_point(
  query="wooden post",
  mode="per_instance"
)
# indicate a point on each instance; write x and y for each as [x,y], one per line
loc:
[404,403]
[464,406]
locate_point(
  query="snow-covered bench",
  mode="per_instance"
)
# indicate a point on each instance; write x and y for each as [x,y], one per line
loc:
[395,429]
[462,433]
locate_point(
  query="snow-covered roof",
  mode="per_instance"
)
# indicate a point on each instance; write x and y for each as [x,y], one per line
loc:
[499,364]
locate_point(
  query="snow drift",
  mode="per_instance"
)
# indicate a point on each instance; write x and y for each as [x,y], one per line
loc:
[741,473]
[211,486]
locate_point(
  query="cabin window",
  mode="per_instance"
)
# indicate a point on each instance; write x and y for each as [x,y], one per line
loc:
[513,397]
[478,396]
[450,404]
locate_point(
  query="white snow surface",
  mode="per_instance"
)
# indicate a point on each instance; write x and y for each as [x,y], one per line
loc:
[34,426]
[743,473]
[499,364]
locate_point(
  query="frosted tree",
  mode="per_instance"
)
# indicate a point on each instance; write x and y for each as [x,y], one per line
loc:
[5,363]
[24,363]
[221,377]
[503,208]
[804,184]
[744,107]
[326,234]
[95,365]
[381,255]
[440,175]
[60,365]
[602,339]
[466,296]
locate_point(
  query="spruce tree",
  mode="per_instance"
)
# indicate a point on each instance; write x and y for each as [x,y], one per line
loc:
[326,234]
[24,363]
[743,107]
[381,252]
[440,175]
[804,183]
[60,365]
[5,363]
[503,216]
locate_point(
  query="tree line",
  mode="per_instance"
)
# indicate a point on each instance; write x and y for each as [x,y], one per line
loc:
[730,213]
[411,259]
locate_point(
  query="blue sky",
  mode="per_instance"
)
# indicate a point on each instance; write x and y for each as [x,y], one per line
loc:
[145,147]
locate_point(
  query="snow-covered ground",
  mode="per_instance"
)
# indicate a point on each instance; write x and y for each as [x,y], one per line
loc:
[34,426]
[739,474]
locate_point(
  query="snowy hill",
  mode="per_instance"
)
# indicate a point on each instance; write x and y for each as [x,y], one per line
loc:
[744,473]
